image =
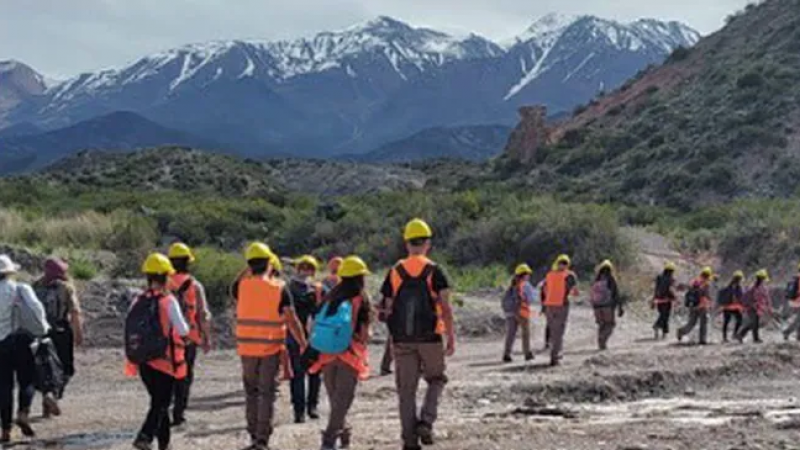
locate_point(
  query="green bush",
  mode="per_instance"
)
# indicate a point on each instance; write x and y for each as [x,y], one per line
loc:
[217,270]
[82,269]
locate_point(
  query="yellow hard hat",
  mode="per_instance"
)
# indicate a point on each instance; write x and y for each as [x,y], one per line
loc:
[762,274]
[180,250]
[707,271]
[307,259]
[258,250]
[563,259]
[157,264]
[523,269]
[417,229]
[738,274]
[275,262]
[606,264]
[670,266]
[353,266]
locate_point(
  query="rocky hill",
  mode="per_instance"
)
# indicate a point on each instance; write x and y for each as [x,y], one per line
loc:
[715,122]
[19,86]
[357,89]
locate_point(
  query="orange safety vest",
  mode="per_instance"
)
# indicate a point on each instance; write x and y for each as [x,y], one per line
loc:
[188,304]
[705,301]
[260,327]
[525,304]
[357,356]
[414,265]
[556,288]
[174,362]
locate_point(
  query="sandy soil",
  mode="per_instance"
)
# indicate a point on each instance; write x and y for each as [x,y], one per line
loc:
[639,395]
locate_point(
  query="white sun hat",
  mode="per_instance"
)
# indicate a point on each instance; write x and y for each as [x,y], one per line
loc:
[8,266]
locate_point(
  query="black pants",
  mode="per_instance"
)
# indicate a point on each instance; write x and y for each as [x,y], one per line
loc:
[160,388]
[16,366]
[64,343]
[664,312]
[728,316]
[752,324]
[183,387]
[301,400]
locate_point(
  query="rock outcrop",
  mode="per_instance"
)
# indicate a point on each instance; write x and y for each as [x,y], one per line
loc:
[529,136]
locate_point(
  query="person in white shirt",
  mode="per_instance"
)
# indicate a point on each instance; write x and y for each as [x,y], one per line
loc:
[21,316]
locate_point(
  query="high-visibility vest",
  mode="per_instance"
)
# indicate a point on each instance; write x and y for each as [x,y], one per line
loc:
[356,356]
[414,265]
[174,362]
[260,327]
[188,304]
[525,303]
[556,289]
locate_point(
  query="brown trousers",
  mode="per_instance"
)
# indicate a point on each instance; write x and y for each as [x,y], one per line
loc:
[340,383]
[606,322]
[260,377]
[413,361]
[557,317]
[513,323]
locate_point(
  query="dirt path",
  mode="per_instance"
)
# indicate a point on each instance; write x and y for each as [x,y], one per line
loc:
[639,395]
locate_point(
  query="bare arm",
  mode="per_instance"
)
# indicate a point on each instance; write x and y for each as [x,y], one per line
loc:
[447,318]
[75,316]
[203,317]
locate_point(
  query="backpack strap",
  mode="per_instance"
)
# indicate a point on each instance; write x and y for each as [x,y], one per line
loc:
[403,273]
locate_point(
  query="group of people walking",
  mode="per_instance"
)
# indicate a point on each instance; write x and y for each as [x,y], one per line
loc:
[34,319]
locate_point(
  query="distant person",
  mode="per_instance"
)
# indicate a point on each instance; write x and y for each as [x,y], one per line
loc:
[559,284]
[416,307]
[155,317]
[22,317]
[729,301]
[606,301]
[793,307]
[757,303]
[664,299]
[264,311]
[332,278]
[63,312]
[698,301]
[516,304]
[191,296]
[342,367]
[307,295]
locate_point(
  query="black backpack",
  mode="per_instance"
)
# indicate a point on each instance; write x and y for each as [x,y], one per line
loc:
[692,298]
[663,285]
[144,337]
[792,289]
[413,317]
[48,371]
[725,296]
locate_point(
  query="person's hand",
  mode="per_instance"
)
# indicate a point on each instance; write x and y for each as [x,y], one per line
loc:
[78,339]
[621,312]
[450,349]
[206,346]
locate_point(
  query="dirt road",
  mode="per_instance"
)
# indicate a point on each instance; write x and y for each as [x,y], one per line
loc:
[638,395]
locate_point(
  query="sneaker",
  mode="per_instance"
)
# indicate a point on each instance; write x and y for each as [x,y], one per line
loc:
[312,413]
[386,372]
[507,359]
[344,438]
[178,422]
[141,444]
[425,433]
[406,447]
[299,418]
[529,356]
[49,403]
[24,424]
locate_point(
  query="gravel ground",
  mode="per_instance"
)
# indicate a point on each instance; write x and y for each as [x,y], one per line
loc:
[641,395]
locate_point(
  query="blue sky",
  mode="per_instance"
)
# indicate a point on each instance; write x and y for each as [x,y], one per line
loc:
[63,38]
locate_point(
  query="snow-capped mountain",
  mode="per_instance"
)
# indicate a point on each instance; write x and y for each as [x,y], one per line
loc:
[354,89]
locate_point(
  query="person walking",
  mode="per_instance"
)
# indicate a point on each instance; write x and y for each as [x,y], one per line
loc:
[191,296]
[698,300]
[729,301]
[22,317]
[757,303]
[517,303]
[307,295]
[264,311]
[416,307]
[559,284]
[664,299]
[161,373]
[342,370]
[793,308]
[606,302]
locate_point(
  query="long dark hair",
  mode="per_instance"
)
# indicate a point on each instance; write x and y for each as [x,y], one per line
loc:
[347,289]
[515,280]
[604,274]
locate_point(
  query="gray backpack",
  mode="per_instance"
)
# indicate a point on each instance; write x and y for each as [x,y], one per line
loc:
[511,301]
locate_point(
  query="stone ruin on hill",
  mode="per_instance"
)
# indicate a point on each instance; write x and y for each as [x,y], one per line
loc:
[530,135]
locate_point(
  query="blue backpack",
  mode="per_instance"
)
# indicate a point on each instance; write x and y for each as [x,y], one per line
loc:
[332,334]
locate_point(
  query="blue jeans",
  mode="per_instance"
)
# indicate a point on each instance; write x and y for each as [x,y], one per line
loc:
[300,400]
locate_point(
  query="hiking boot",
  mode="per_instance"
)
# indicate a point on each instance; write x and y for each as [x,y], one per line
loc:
[24,424]
[50,404]
[507,359]
[141,444]
[425,433]
[312,413]
[5,437]
[299,418]
[386,372]
[345,437]
[406,447]
[529,356]
[178,421]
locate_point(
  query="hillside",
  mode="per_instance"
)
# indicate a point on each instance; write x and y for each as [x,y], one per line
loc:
[471,143]
[120,131]
[353,90]
[716,122]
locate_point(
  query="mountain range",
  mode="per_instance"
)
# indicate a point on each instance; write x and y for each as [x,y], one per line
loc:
[349,91]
